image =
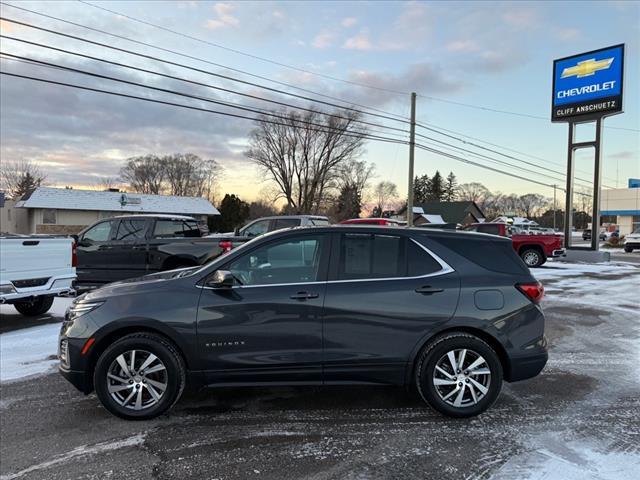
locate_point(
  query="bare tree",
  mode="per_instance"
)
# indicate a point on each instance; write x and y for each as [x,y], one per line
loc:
[107,183]
[384,192]
[20,177]
[531,203]
[302,158]
[354,175]
[145,174]
[473,192]
[178,174]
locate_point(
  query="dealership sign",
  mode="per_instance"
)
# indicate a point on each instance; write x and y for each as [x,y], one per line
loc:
[588,85]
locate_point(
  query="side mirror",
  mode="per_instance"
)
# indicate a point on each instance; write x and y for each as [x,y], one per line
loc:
[236,232]
[221,279]
[76,239]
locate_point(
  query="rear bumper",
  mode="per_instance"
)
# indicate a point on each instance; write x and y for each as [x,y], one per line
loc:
[522,367]
[55,286]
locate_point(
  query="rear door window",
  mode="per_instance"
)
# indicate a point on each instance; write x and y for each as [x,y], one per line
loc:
[176,228]
[371,256]
[286,223]
[131,230]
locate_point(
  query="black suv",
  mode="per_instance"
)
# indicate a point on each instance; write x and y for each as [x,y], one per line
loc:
[452,313]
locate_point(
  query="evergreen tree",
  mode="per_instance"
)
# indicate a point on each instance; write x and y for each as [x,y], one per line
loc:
[421,187]
[233,213]
[437,188]
[349,203]
[451,188]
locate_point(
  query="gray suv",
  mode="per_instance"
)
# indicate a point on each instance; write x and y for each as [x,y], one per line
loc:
[450,313]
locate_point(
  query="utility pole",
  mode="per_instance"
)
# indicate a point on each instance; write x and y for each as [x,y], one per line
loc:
[554,207]
[412,147]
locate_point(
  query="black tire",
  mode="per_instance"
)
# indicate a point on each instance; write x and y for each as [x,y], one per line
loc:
[35,307]
[628,249]
[433,352]
[532,257]
[145,343]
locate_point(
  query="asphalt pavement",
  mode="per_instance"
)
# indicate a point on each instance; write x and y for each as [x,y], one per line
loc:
[579,419]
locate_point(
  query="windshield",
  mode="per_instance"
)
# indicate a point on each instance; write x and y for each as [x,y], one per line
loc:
[637,231]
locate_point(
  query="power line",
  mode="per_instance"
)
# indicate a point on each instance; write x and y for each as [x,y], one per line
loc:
[182,79]
[200,109]
[246,54]
[322,75]
[226,77]
[439,130]
[174,52]
[191,107]
[491,150]
[166,90]
[507,112]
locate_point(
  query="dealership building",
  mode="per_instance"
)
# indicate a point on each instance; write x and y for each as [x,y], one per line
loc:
[621,206]
[66,211]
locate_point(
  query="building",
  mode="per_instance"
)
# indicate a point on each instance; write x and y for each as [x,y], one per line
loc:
[67,211]
[621,206]
[457,213]
[462,212]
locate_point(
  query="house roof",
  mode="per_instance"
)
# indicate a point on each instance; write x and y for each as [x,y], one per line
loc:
[453,212]
[93,200]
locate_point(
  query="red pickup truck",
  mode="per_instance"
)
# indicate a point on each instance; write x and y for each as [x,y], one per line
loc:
[533,249]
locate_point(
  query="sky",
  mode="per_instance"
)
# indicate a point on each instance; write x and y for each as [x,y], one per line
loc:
[491,55]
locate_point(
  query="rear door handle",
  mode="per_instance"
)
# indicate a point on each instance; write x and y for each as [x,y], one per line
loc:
[303,296]
[428,290]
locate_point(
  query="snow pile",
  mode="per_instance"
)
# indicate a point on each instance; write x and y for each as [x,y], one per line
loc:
[30,351]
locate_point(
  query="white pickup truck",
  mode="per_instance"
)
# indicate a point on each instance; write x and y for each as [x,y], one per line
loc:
[35,269]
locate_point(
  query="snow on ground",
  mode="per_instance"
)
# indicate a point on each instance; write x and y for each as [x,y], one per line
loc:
[30,351]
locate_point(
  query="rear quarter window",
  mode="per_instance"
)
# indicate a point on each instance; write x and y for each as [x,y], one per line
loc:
[493,255]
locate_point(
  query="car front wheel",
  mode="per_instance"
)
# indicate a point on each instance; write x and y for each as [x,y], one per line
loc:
[628,249]
[459,375]
[139,377]
[35,307]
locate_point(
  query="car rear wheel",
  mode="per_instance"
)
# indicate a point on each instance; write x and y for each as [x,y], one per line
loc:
[35,307]
[139,377]
[532,257]
[459,375]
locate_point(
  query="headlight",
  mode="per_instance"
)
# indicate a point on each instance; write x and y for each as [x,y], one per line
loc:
[78,309]
[7,289]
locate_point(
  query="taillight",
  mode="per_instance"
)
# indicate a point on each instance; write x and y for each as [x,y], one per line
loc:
[74,255]
[533,291]
[226,245]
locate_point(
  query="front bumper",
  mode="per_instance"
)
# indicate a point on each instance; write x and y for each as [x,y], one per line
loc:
[560,252]
[73,365]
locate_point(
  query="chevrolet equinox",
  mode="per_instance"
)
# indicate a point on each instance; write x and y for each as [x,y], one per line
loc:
[452,314]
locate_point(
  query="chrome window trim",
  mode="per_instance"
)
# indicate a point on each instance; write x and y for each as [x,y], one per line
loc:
[446,269]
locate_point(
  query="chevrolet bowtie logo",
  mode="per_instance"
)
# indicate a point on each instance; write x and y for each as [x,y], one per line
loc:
[587,68]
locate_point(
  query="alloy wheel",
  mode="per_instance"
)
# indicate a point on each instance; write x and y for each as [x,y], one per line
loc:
[137,379]
[462,377]
[531,258]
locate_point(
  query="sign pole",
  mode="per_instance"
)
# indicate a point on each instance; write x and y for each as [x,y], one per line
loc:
[412,147]
[597,179]
[568,209]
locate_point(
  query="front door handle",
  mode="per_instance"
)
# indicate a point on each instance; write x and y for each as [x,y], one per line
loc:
[303,296]
[428,290]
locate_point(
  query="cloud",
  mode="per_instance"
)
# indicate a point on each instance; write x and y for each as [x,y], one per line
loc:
[349,22]
[521,18]
[224,17]
[463,46]
[568,33]
[323,40]
[80,136]
[358,42]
